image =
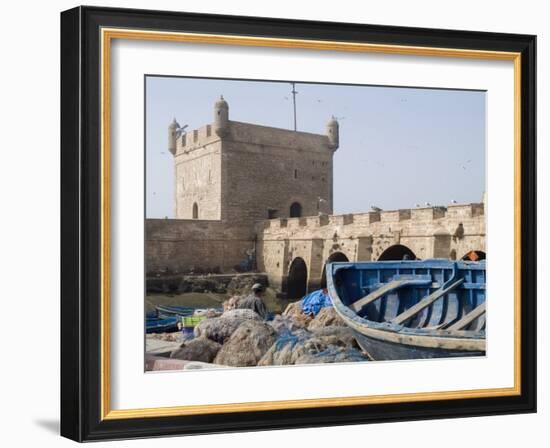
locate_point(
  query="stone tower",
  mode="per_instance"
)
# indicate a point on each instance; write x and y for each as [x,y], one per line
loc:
[242,172]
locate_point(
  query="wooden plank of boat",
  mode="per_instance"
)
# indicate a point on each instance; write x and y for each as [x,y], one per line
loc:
[382,291]
[425,302]
[468,318]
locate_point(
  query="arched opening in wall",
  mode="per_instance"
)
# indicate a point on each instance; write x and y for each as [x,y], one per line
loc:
[474,255]
[195,211]
[296,286]
[336,256]
[295,210]
[397,252]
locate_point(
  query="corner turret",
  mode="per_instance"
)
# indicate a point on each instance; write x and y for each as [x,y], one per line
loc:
[221,117]
[172,136]
[333,133]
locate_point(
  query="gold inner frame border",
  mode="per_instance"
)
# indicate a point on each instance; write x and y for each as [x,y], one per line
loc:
[107,35]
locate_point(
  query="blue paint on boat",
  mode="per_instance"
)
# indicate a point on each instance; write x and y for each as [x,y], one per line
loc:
[172,310]
[161,324]
[433,331]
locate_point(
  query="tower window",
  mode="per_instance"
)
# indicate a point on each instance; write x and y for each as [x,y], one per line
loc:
[295,174]
[195,211]
[295,210]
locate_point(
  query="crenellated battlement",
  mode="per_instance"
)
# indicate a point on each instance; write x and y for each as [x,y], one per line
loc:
[381,218]
[195,139]
[263,136]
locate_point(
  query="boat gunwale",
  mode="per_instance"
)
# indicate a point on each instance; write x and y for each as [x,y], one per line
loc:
[422,337]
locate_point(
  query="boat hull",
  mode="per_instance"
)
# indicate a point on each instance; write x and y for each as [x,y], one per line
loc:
[379,350]
[161,325]
[412,309]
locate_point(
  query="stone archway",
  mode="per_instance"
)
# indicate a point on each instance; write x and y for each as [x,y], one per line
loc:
[397,252]
[296,285]
[336,256]
[474,255]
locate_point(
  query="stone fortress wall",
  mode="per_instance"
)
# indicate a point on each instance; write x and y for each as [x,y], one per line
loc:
[256,197]
[412,233]
[181,246]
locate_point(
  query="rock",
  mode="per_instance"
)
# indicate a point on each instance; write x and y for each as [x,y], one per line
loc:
[326,317]
[220,329]
[253,303]
[200,349]
[294,311]
[247,345]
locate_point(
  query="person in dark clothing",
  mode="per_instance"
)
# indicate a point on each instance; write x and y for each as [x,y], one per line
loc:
[254,301]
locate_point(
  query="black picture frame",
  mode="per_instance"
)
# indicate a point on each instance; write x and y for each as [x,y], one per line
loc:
[81,224]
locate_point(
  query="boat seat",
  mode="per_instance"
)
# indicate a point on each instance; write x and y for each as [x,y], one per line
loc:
[468,318]
[425,302]
[387,288]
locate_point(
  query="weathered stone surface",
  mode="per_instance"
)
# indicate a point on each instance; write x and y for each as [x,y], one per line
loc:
[300,167]
[219,329]
[247,344]
[200,349]
[325,318]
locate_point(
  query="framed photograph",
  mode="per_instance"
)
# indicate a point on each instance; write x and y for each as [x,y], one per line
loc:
[272,223]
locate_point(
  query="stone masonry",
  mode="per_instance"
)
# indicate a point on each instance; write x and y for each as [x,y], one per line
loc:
[255,197]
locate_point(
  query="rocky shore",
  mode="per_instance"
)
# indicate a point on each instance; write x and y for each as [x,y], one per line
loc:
[241,338]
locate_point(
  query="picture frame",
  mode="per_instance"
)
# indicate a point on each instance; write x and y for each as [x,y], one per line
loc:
[86,210]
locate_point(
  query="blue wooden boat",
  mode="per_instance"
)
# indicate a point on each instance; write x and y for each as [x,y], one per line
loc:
[171,310]
[412,309]
[161,324]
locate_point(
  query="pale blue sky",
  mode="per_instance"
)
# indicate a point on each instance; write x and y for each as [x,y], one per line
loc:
[398,146]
